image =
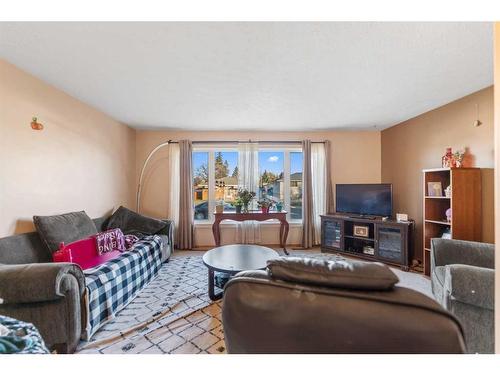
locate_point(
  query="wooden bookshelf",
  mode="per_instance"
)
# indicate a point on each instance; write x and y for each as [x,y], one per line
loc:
[464,201]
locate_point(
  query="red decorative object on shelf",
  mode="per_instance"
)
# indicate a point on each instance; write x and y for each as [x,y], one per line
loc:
[447,160]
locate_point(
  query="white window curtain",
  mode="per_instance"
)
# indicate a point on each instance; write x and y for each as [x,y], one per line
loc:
[248,178]
[319,184]
[174,184]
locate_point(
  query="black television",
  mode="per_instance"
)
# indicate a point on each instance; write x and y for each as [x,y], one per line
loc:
[364,199]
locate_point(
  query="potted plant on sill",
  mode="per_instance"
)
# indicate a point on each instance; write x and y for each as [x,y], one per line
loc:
[279,206]
[246,197]
[219,206]
[265,204]
[238,204]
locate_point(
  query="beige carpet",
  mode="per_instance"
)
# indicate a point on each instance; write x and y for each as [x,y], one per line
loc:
[173,314]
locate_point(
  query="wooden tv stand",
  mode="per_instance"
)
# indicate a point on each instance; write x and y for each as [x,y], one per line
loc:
[390,241]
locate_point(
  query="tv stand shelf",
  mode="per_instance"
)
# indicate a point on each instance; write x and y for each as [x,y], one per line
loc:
[361,238]
[385,241]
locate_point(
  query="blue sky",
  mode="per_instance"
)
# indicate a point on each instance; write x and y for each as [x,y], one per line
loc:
[232,159]
[268,160]
[201,157]
[271,161]
[295,162]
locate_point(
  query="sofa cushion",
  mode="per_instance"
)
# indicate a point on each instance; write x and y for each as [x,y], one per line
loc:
[131,222]
[84,253]
[69,227]
[337,274]
[23,248]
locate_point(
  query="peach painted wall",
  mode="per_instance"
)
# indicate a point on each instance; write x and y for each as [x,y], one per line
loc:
[82,160]
[419,143]
[497,184]
[355,158]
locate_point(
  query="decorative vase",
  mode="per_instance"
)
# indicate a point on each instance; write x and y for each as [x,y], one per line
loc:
[448,215]
[265,210]
[447,160]
[238,209]
[279,206]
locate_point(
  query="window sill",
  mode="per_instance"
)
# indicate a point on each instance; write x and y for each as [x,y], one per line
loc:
[231,224]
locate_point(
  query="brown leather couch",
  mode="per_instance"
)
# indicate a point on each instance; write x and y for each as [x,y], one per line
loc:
[302,305]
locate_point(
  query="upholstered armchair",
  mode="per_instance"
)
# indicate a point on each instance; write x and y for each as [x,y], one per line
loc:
[463,278]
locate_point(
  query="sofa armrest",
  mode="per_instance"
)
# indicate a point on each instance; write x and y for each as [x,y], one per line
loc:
[469,284]
[168,230]
[471,253]
[38,282]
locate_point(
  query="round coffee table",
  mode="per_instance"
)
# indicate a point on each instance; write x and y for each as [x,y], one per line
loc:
[231,259]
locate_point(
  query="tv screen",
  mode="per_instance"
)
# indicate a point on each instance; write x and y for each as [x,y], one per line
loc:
[364,199]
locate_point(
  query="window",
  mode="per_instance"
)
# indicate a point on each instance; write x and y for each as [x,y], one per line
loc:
[215,178]
[200,185]
[271,175]
[226,178]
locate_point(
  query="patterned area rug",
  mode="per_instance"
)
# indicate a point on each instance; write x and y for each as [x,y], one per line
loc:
[173,314]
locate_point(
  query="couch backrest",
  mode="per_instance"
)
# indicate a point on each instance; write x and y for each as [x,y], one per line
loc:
[263,315]
[29,248]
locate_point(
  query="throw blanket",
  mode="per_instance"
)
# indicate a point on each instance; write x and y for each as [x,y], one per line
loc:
[130,240]
[112,285]
[20,338]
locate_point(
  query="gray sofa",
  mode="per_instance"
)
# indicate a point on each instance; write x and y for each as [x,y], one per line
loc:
[49,295]
[463,279]
[308,306]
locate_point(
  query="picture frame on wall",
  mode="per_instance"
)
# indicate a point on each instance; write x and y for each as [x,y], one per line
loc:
[434,189]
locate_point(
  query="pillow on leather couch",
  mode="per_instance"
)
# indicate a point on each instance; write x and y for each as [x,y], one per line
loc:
[337,274]
[69,227]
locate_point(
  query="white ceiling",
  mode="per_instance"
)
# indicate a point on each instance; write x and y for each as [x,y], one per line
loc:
[256,76]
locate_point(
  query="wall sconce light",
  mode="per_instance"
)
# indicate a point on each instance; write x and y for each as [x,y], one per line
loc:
[477,123]
[35,125]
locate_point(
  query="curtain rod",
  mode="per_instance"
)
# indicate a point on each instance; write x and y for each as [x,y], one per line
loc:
[250,141]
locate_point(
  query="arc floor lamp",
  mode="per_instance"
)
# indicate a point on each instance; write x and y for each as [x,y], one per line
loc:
[139,186]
